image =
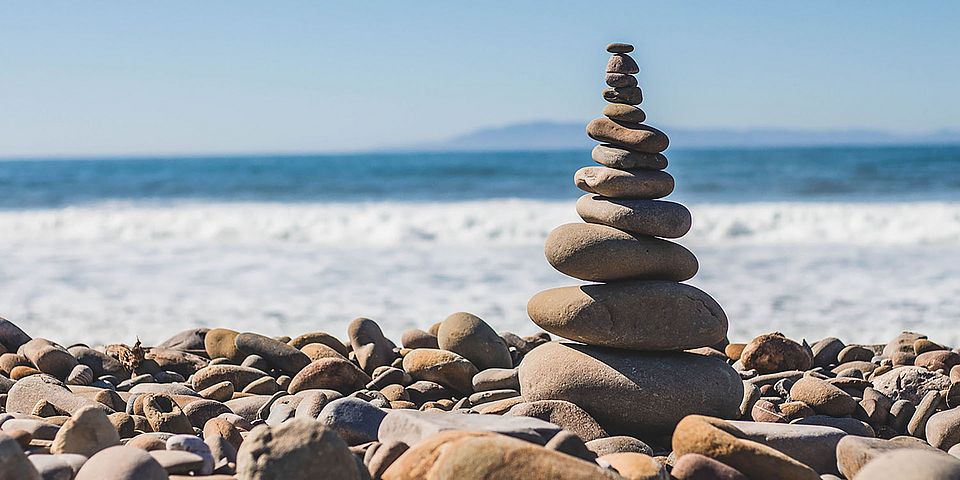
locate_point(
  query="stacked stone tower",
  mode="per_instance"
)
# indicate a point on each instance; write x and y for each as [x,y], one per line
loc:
[638,318]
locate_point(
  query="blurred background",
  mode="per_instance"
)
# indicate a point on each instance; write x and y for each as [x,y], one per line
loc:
[287,167]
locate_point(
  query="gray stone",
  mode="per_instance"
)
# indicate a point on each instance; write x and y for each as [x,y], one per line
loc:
[23,396]
[411,426]
[850,425]
[11,336]
[812,445]
[355,420]
[925,409]
[195,446]
[636,315]
[618,444]
[496,379]
[122,463]
[943,429]
[657,389]
[911,465]
[910,383]
[14,465]
[51,467]
[177,462]
[191,339]
[656,218]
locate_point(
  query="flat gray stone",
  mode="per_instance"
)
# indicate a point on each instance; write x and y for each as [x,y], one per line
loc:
[412,426]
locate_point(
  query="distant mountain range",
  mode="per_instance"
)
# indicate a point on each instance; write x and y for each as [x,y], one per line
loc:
[563,136]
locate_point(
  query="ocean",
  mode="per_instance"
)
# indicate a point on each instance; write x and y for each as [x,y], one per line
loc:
[858,243]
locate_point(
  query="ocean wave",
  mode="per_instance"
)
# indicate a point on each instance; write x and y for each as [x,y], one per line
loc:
[478,223]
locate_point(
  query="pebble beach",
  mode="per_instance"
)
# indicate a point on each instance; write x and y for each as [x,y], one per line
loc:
[631,372]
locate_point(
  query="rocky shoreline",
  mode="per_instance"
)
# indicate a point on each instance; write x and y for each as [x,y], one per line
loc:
[453,401]
[633,378]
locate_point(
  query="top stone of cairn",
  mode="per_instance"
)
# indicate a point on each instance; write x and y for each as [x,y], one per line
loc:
[619,48]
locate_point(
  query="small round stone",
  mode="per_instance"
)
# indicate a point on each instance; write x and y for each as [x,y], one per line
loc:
[775,353]
[617,47]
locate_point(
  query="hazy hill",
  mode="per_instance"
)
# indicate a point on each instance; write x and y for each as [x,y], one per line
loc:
[556,136]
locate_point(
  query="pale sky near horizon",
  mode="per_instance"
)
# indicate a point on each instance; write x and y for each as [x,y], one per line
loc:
[114,78]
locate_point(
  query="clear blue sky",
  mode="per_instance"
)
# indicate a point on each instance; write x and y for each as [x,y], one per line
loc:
[93,78]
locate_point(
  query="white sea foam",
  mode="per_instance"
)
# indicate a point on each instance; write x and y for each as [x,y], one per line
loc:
[109,272]
[478,223]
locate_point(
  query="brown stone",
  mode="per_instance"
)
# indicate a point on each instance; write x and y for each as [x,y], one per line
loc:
[600,253]
[657,389]
[623,95]
[823,397]
[87,432]
[656,218]
[774,352]
[617,47]
[489,456]
[617,157]
[329,373]
[632,136]
[694,466]
[641,315]
[622,63]
[616,183]
[723,442]
[441,366]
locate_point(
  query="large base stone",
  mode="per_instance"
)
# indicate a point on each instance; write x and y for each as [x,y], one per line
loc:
[631,393]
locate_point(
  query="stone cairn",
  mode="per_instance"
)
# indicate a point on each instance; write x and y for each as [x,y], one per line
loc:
[630,372]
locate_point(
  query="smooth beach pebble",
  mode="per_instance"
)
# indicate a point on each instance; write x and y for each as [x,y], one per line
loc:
[599,253]
[14,464]
[717,439]
[278,355]
[561,413]
[469,336]
[624,113]
[694,466]
[122,463]
[637,137]
[823,397]
[641,315]
[911,465]
[441,366]
[329,373]
[87,432]
[487,455]
[616,183]
[607,382]
[617,157]
[656,218]
[853,452]
[636,466]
